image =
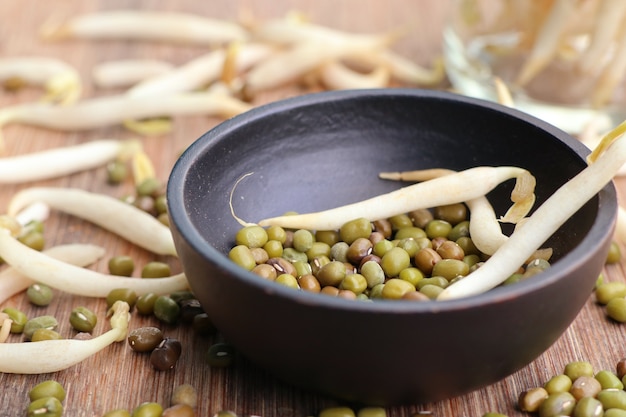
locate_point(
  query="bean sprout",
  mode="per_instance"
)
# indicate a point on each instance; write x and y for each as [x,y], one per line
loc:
[104,111]
[548,39]
[107,212]
[337,76]
[127,72]
[606,159]
[146,26]
[421,195]
[485,227]
[12,282]
[201,71]
[55,355]
[63,161]
[60,80]
[76,280]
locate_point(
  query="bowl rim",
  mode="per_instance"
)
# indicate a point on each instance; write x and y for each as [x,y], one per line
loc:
[601,225]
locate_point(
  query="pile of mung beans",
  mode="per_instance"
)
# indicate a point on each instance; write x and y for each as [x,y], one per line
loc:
[411,256]
[579,391]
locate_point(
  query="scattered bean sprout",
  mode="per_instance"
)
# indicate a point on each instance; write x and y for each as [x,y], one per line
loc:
[55,355]
[76,280]
[107,212]
[111,110]
[12,282]
[146,25]
[128,72]
[67,160]
[60,80]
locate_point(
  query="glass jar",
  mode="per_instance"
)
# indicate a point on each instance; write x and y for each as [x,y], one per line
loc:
[563,61]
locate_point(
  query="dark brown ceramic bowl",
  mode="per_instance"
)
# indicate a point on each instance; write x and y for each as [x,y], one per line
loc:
[324,150]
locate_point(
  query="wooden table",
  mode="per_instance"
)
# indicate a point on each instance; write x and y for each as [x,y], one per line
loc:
[121,378]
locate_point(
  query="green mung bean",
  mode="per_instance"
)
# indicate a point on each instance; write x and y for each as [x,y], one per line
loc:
[614,412]
[556,405]
[355,229]
[18,319]
[145,303]
[577,369]
[45,334]
[616,309]
[530,400]
[121,265]
[608,379]
[400,221]
[155,269]
[48,388]
[588,407]
[166,309]
[83,319]
[39,294]
[148,409]
[614,255]
[45,407]
[394,261]
[606,291]
[612,398]
[558,383]
[337,412]
[127,295]
[40,322]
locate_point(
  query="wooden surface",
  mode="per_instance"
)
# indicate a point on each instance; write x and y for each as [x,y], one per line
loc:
[120,378]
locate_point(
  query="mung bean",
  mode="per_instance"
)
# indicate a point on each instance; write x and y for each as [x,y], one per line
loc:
[608,379]
[145,339]
[145,303]
[166,354]
[83,319]
[531,399]
[45,407]
[220,355]
[155,269]
[337,412]
[18,319]
[185,394]
[616,309]
[577,369]
[588,407]
[148,409]
[45,334]
[179,410]
[40,322]
[612,398]
[48,388]
[558,404]
[585,386]
[39,294]
[166,309]
[121,294]
[121,265]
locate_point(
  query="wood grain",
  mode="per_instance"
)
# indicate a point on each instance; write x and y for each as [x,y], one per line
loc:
[120,378]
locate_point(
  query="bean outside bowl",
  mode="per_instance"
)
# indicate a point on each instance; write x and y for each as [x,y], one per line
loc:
[323,150]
